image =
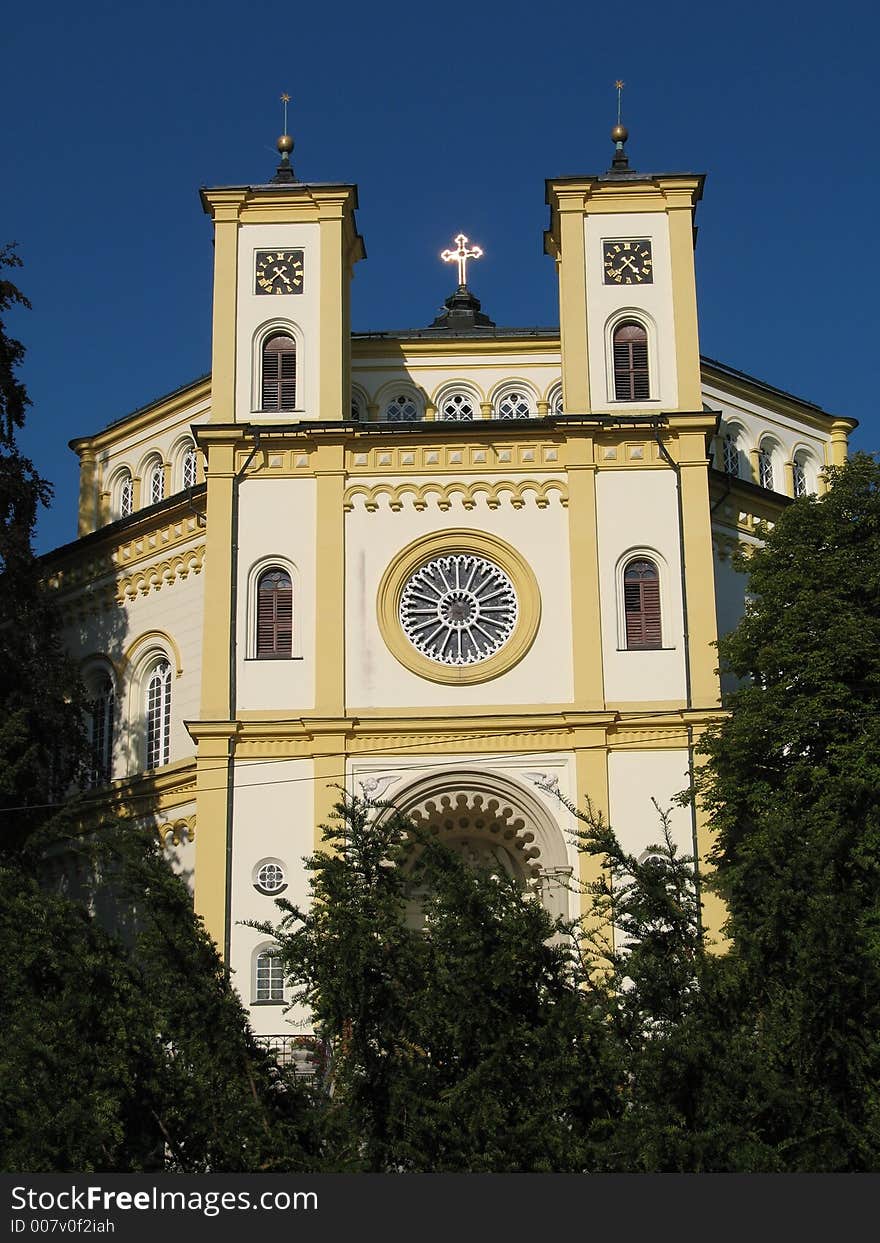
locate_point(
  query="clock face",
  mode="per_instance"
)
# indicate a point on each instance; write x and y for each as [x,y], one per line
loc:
[628,263]
[279,271]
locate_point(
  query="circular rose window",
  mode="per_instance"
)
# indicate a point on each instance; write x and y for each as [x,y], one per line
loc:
[458,609]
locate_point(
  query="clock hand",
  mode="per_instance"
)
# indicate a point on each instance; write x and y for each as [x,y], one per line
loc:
[279,272]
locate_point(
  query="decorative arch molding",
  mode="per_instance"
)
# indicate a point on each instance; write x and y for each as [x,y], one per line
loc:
[177,832]
[507,388]
[421,496]
[163,573]
[96,663]
[452,388]
[554,398]
[276,326]
[360,398]
[253,578]
[401,388]
[444,543]
[492,819]
[632,315]
[637,553]
[739,436]
[146,646]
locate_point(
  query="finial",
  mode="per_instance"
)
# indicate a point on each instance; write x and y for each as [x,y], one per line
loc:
[619,135]
[284,171]
[460,256]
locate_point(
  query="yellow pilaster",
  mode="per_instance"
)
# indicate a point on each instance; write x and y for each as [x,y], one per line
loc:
[699,564]
[573,303]
[88,497]
[226,206]
[714,911]
[330,582]
[684,300]
[332,367]
[329,770]
[217,633]
[591,769]
[212,787]
[589,690]
[840,430]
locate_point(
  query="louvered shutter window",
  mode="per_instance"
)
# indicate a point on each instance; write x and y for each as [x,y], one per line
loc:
[274,615]
[631,382]
[279,374]
[641,602]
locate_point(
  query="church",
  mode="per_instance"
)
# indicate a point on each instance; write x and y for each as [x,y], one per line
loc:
[463,568]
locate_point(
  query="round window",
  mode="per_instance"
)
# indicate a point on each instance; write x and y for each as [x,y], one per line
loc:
[458,609]
[269,877]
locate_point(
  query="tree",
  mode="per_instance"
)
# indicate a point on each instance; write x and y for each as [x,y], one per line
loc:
[465,1034]
[123,1046]
[792,784]
[42,743]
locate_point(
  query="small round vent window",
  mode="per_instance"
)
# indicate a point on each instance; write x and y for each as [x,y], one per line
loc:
[270,877]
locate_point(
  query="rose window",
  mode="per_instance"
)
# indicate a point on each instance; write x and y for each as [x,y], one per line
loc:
[458,609]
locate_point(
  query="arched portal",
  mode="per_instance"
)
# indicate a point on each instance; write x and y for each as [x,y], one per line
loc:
[493,821]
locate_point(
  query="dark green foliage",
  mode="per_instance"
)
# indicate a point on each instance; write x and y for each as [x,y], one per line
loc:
[41,731]
[793,784]
[463,1036]
[123,1047]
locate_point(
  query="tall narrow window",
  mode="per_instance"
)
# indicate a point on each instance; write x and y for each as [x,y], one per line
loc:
[279,374]
[159,715]
[156,483]
[730,455]
[190,468]
[268,977]
[100,731]
[765,468]
[126,496]
[799,476]
[631,381]
[274,615]
[641,602]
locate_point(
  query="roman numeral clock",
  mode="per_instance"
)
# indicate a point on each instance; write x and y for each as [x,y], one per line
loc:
[628,262]
[279,271]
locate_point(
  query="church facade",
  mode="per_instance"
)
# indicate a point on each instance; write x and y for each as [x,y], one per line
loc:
[463,568]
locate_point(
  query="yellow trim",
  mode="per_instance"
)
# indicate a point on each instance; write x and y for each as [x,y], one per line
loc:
[442,543]
[226,208]
[693,480]
[403,350]
[88,492]
[586,618]
[684,304]
[330,580]
[573,302]
[515,493]
[217,631]
[211,798]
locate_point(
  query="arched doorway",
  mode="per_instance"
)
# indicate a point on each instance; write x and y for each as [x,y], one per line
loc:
[495,822]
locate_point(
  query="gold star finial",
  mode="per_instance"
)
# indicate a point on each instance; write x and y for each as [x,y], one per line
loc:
[619,85]
[285,100]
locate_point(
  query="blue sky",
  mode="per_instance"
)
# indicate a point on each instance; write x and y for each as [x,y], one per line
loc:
[447,119]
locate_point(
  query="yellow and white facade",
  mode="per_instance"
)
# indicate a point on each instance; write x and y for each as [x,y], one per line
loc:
[354,502]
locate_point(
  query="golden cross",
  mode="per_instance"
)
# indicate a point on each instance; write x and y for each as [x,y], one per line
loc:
[461,256]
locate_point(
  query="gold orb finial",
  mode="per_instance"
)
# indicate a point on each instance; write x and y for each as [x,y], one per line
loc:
[619,133]
[285,144]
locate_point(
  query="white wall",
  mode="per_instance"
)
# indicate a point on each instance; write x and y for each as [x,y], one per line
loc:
[638,512]
[634,778]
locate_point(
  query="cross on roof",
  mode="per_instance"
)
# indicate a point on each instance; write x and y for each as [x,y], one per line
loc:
[461,256]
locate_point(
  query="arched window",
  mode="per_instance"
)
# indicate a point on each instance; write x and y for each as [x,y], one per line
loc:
[274,615]
[765,467]
[402,409]
[155,483]
[513,405]
[268,976]
[159,715]
[99,727]
[799,477]
[730,455]
[125,495]
[556,400]
[355,410]
[459,406]
[189,471]
[630,350]
[279,373]
[641,604]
